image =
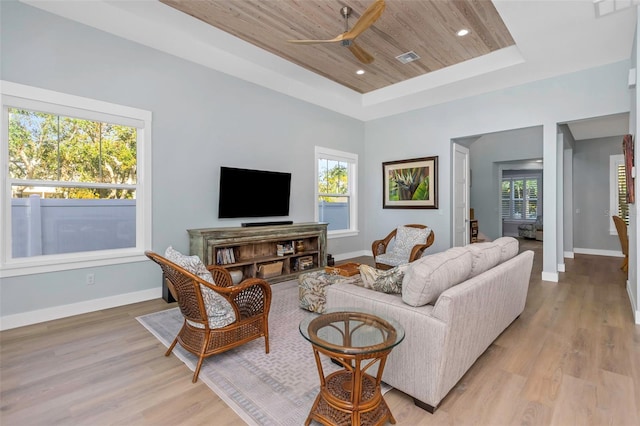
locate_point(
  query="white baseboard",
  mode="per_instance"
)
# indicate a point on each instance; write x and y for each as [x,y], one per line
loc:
[568,255]
[634,308]
[550,276]
[598,252]
[561,267]
[47,314]
[353,254]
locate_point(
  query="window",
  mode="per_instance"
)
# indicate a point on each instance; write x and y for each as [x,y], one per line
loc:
[617,191]
[520,197]
[336,173]
[76,192]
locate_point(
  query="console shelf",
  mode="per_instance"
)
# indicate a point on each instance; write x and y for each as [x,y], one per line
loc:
[254,250]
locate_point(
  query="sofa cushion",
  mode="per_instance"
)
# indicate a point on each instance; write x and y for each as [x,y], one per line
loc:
[406,238]
[485,256]
[219,310]
[426,278]
[509,247]
[389,281]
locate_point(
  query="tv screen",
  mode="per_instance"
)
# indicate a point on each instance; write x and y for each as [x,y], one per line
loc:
[253,193]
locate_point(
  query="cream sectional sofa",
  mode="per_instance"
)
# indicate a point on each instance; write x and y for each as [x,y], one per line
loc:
[453,305]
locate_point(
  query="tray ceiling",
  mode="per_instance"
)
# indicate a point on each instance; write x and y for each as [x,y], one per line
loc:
[427,28]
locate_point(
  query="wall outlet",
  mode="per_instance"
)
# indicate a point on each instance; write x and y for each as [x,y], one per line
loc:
[90,279]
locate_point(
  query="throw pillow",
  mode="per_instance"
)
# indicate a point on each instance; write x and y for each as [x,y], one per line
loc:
[389,281]
[508,246]
[406,238]
[426,278]
[219,310]
[485,256]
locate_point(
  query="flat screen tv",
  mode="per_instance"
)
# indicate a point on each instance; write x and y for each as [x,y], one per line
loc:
[253,193]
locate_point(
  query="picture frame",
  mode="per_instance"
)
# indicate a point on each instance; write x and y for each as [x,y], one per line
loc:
[410,184]
[629,163]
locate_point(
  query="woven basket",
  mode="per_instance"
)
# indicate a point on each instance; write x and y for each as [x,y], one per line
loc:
[268,270]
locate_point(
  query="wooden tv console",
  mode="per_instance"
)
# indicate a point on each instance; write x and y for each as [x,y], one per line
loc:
[275,253]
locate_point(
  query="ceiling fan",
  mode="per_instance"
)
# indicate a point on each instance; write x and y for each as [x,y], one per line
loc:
[347,38]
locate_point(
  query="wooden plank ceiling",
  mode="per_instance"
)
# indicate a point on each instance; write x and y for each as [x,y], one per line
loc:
[427,28]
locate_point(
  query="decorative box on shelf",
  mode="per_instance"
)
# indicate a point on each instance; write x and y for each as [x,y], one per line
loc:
[268,270]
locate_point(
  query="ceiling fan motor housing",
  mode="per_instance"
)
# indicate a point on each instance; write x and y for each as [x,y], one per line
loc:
[346,11]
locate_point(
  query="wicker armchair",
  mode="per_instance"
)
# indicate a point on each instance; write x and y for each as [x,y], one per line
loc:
[380,247]
[251,300]
[621,228]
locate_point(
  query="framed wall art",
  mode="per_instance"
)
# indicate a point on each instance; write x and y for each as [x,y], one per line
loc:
[629,163]
[410,184]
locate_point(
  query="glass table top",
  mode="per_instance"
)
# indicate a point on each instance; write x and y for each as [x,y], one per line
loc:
[351,331]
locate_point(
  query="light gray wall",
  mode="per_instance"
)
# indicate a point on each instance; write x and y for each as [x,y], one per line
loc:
[591,193]
[490,154]
[429,131]
[202,119]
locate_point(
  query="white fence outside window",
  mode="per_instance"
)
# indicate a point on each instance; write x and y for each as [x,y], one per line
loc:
[43,226]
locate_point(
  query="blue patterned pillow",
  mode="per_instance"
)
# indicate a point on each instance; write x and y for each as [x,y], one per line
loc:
[219,310]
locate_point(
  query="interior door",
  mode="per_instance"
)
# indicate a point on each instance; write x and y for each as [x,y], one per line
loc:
[460,210]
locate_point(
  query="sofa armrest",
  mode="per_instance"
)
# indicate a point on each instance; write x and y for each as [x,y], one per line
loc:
[478,311]
[414,364]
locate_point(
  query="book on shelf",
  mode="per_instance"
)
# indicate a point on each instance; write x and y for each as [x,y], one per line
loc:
[305,262]
[284,248]
[225,256]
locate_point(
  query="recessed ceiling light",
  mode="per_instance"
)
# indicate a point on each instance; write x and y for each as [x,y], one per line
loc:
[463,32]
[360,72]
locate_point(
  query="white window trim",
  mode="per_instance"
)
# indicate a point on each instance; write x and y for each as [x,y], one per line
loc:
[525,200]
[14,93]
[614,162]
[352,159]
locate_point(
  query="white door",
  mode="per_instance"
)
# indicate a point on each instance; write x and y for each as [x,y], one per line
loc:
[460,218]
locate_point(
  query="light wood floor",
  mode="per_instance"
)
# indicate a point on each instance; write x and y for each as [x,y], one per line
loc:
[572,358]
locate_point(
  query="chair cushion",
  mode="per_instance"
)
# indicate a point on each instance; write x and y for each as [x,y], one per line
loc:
[426,278]
[219,310]
[389,281]
[391,259]
[509,247]
[406,238]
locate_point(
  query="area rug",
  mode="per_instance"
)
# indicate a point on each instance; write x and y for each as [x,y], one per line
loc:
[277,388]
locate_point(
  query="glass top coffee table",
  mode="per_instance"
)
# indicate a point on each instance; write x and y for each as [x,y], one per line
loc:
[357,341]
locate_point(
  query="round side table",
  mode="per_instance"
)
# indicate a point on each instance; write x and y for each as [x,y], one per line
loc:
[355,340]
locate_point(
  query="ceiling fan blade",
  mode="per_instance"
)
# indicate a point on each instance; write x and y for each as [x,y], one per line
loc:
[361,54]
[367,19]
[333,40]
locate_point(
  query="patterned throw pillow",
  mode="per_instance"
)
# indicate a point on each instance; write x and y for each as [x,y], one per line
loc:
[408,237]
[219,310]
[389,281]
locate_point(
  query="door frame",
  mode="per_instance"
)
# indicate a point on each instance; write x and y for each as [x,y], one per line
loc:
[456,147]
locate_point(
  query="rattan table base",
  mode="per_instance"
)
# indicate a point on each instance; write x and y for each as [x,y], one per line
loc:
[331,406]
[358,341]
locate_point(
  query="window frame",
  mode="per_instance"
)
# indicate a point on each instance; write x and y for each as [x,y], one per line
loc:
[525,199]
[352,188]
[28,97]
[615,161]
